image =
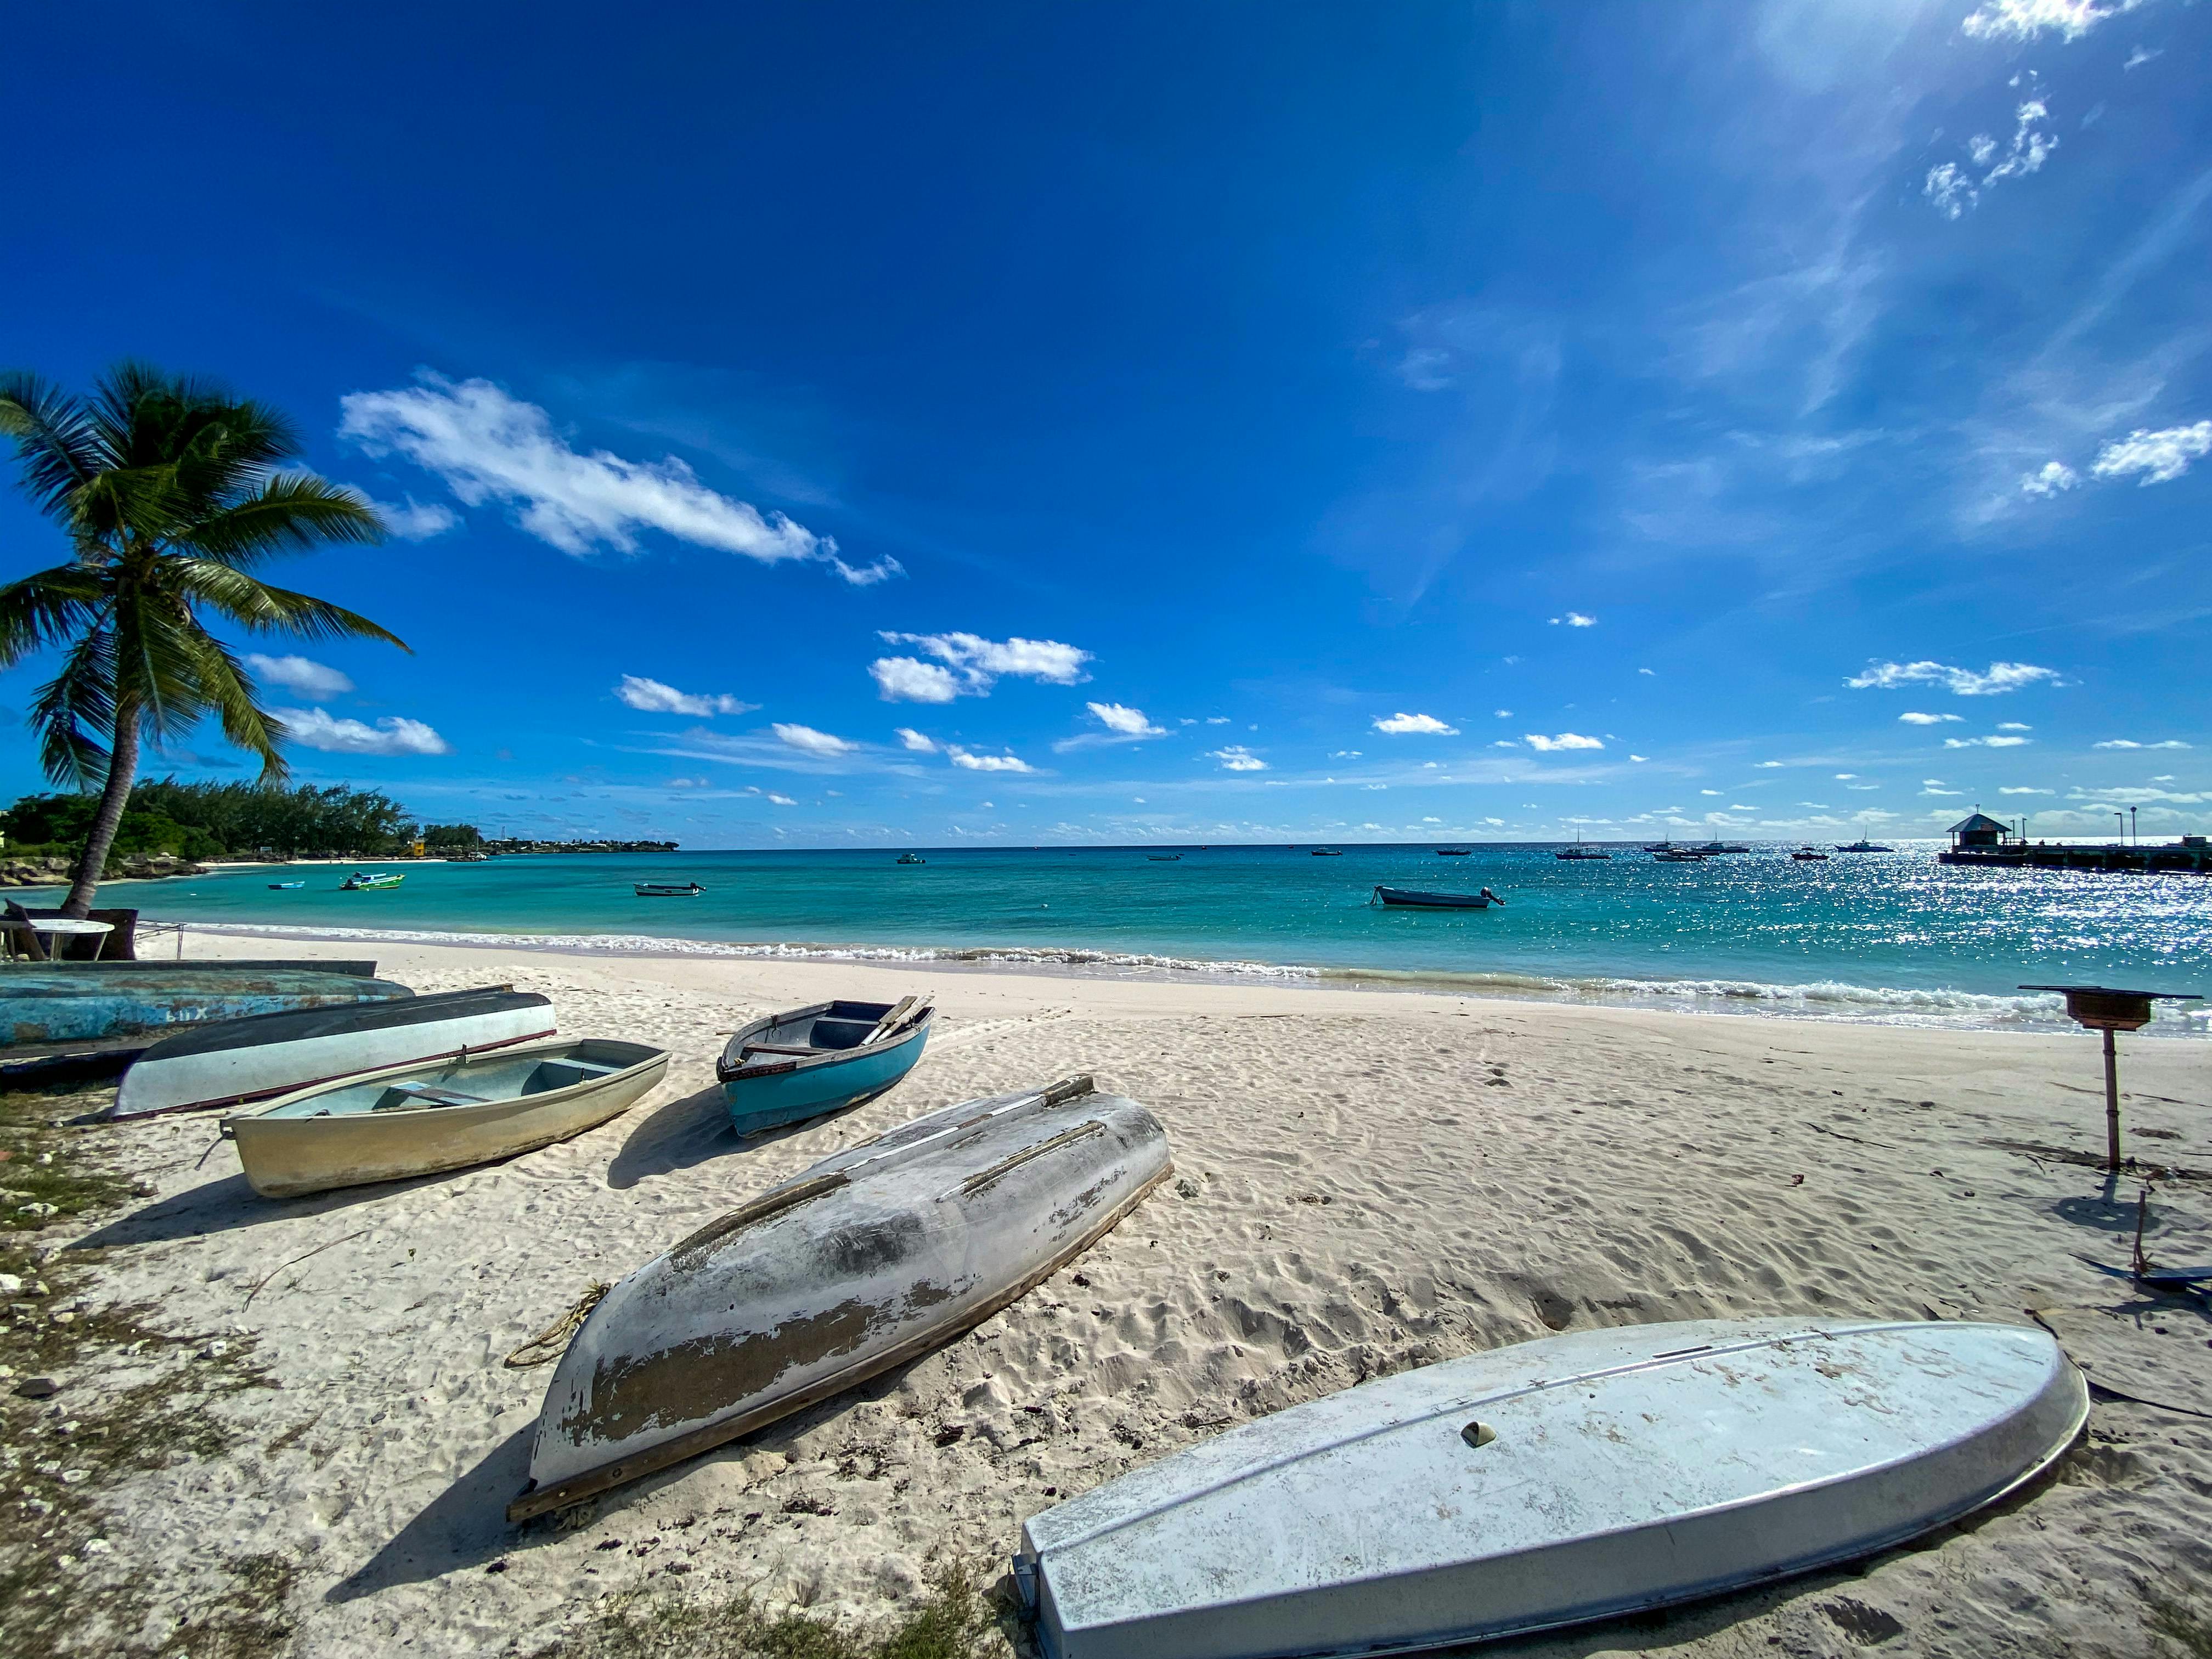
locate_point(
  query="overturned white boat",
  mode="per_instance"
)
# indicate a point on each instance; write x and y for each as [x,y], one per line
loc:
[1547,1482]
[864,1261]
[239,1059]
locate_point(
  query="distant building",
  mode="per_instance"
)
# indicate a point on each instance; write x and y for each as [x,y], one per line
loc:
[1980,833]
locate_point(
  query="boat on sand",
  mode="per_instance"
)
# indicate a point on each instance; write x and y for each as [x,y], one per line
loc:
[1547,1482]
[236,1060]
[786,1068]
[72,1002]
[418,1120]
[868,1260]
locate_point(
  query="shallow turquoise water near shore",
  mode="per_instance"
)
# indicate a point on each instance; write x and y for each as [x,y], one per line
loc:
[1896,936]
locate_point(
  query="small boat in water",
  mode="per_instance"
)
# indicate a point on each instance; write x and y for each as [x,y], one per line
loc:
[1810,856]
[1680,855]
[1549,1483]
[1413,898]
[667,889]
[79,1002]
[280,886]
[1863,845]
[910,858]
[1165,858]
[358,883]
[236,1060]
[1579,851]
[418,1120]
[786,1068]
[872,1258]
[1327,853]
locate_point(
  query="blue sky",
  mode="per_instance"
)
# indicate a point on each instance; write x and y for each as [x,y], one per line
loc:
[837,424]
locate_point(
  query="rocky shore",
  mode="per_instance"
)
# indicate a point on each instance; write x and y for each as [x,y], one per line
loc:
[53,871]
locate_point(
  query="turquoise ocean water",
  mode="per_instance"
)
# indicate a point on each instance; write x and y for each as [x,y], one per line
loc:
[1896,937]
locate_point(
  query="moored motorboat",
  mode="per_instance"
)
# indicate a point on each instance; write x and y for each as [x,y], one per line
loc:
[1454,852]
[1863,845]
[358,883]
[406,1120]
[1579,851]
[910,858]
[1548,1483]
[1413,898]
[282,886]
[1165,858]
[74,1002]
[1328,852]
[1810,856]
[868,1260]
[786,1068]
[668,888]
[237,1060]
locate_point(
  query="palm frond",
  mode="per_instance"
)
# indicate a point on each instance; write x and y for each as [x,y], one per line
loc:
[230,691]
[56,437]
[253,603]
[289,512]
[159,661]
[72,706]
[47,608]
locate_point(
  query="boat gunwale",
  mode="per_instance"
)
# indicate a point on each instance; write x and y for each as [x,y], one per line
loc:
[915,1024]
[263,1114]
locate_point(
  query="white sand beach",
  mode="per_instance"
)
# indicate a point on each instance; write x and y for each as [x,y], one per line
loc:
[1368,1181]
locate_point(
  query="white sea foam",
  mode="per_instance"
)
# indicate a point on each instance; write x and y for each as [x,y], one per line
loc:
[1825,999]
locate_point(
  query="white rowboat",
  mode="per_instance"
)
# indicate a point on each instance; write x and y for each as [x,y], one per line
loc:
[418,1120]
[869,1259]
[236,1060]
[1547,1482]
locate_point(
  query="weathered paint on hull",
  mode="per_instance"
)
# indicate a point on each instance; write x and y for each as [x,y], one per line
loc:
[286,1155]
[72,1004]
[792,1096]
[868,1260]
[1549,1483]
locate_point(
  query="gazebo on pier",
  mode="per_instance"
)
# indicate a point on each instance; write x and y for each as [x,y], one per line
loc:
[1979,834]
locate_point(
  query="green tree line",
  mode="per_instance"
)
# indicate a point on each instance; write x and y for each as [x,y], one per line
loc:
[211,820]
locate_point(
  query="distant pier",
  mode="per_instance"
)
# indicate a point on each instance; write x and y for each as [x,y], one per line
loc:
[1983,841]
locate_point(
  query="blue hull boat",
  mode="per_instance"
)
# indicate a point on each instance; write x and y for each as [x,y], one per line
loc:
[77,1004]
[786,1068]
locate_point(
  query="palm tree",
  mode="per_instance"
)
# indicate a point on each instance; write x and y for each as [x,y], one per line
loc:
[170,492]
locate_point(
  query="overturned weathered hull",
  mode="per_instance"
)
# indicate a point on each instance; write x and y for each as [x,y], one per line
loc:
[85,1002]
[865,1262]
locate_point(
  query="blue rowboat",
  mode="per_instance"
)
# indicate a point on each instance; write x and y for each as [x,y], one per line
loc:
[87,1002]
[786,1068]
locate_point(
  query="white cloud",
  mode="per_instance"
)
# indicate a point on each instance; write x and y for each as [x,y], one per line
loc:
[1647,671]
[1428,724]
[488,446]
[1123,725]
[2013,726]
[1216,720]
[1912,719]
[969,664]
[1575,619]
[974,763]
[1953,192]
[1709,792]
[910,739]
[2001,676]
[415,522]
[1845,777]
[1237,758]
[2024,791]
[308,679]
[2054,476]
[389,736]
[1544,745]
[1940,791]
[807,740]
[1983,743]
[2024,20]
[2125,742]
[781,800]
[1949,190]
[654,698]
[2162,457]
[1639,758]
[2143,55]
[1767,765]
[1343,754]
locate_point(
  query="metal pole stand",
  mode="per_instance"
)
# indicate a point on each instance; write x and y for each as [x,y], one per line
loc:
[2112,1104]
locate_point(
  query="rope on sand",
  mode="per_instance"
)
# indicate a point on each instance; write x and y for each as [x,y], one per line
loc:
[550,1343]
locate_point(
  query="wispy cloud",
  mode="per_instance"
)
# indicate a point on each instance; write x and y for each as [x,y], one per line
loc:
[487,445]
[1912,718]
[807,740]
[2001,677]
[1575,619]
[2125,742]
[391,735]
[968,666]
[300,674]
[1427,724]
[1544,745]
[2160,457]
[1984,743]
[970,761]
[1122,724]
[653,698]
[1237,758]
[2026,20]
[1954,190]
[417,521]
[911,739]
[2048,480]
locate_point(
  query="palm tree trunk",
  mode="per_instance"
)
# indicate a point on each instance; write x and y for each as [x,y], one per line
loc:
[122,772]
